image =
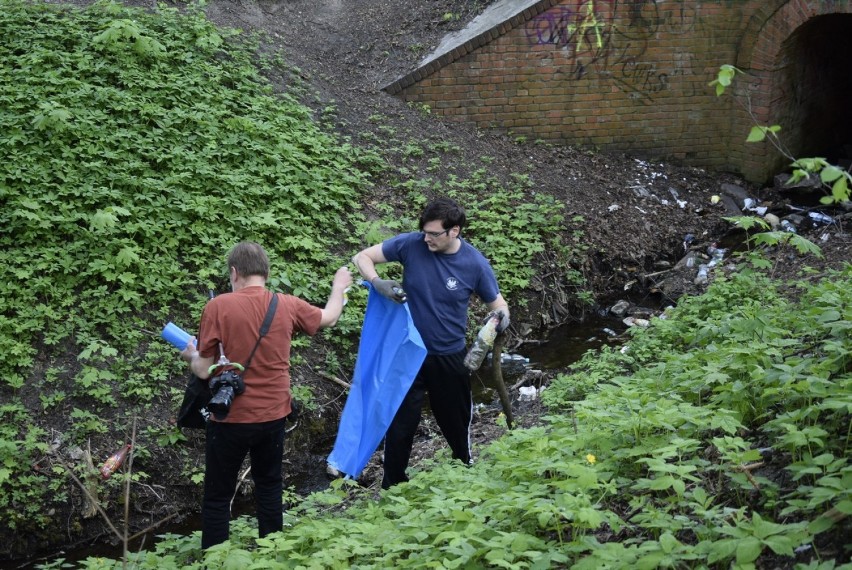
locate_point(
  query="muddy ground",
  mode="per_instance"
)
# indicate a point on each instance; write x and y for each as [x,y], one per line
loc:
[634,213]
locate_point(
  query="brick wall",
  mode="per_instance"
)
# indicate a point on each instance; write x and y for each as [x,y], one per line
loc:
[624,75]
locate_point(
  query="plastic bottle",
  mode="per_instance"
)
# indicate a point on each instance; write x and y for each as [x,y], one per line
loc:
[510,359]
[482,344]
[115,461]
[717,254]
[820,218]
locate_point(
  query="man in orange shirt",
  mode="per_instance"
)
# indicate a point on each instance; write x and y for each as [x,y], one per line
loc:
[254,424]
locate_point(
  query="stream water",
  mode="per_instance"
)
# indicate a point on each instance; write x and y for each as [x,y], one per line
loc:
[561,347]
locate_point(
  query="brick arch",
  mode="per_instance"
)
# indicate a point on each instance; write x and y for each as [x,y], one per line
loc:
[762,56]
[642,87]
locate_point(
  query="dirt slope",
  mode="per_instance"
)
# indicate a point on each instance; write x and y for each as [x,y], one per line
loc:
[634,213]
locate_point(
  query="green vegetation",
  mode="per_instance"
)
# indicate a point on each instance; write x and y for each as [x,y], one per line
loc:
[509,221]
[717,438]
[834,179]
[138,148]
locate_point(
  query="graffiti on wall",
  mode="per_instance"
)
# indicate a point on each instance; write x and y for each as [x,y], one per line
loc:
[591,42]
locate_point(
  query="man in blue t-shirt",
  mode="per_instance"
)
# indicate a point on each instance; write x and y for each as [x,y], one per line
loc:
[440,273]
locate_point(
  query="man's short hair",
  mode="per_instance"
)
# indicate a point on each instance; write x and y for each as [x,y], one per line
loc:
[249,258]
[447,210]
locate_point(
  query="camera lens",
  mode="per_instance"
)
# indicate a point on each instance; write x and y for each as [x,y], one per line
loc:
[220,403]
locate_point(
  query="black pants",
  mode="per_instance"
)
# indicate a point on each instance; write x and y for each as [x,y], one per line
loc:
[447,382]
[227,445]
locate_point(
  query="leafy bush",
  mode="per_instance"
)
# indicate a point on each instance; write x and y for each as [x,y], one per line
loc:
[138,148]
[660,465]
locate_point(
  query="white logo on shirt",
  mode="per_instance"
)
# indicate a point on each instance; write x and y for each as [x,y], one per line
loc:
[452,283]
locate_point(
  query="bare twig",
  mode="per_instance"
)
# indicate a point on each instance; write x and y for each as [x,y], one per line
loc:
[496,357]
[531,341]
[647,275]
[127,479]
[334,379]
[152,527]
[747,469]
[239,482]
[93,499]
[151,489]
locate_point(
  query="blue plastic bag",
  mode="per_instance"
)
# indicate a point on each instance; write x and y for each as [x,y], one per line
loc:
[389,356]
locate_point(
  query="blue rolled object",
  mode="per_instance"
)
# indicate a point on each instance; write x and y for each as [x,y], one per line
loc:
[175,336]
[390,354]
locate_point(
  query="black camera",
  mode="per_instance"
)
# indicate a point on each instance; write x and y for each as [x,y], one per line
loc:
[224,387]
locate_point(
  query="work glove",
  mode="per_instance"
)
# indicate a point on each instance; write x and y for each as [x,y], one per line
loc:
[389,289]
[504,320]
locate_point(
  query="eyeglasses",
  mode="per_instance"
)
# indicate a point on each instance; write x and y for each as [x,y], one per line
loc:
[436,234]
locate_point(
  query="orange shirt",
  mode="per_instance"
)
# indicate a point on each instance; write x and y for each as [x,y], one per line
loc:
[234,319]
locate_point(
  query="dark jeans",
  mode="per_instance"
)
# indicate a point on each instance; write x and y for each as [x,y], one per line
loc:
[447,382]
[227,445]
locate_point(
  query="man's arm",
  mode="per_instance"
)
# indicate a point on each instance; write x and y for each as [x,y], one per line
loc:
[367,259]
[198,364]
[334,307]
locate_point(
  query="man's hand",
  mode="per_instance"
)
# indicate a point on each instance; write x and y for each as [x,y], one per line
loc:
[190,351]
[504,320]
[342,278]
[389,289]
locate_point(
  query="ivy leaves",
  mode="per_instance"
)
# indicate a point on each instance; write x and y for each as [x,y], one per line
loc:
[141,147]
[138,147]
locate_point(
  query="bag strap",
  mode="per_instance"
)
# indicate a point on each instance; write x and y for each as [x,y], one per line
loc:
[267,322]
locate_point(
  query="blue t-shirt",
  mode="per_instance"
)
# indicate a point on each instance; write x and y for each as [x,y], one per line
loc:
[439,287]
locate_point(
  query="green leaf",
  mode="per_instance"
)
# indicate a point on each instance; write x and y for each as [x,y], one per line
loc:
[748,550]
[102,219]
[840,190]
[668,542]
[820,524]
[830,173]
[804,245]
[127,256]
[756,134]
[781,545]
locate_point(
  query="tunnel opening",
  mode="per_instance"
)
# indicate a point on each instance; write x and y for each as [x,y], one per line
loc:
[819,114]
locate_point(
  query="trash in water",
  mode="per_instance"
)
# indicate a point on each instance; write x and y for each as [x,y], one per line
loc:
[750,204]
[717,254]
[820,218]
[528,393]
[115,461]
[510,360]
[634,322]
[701,278]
